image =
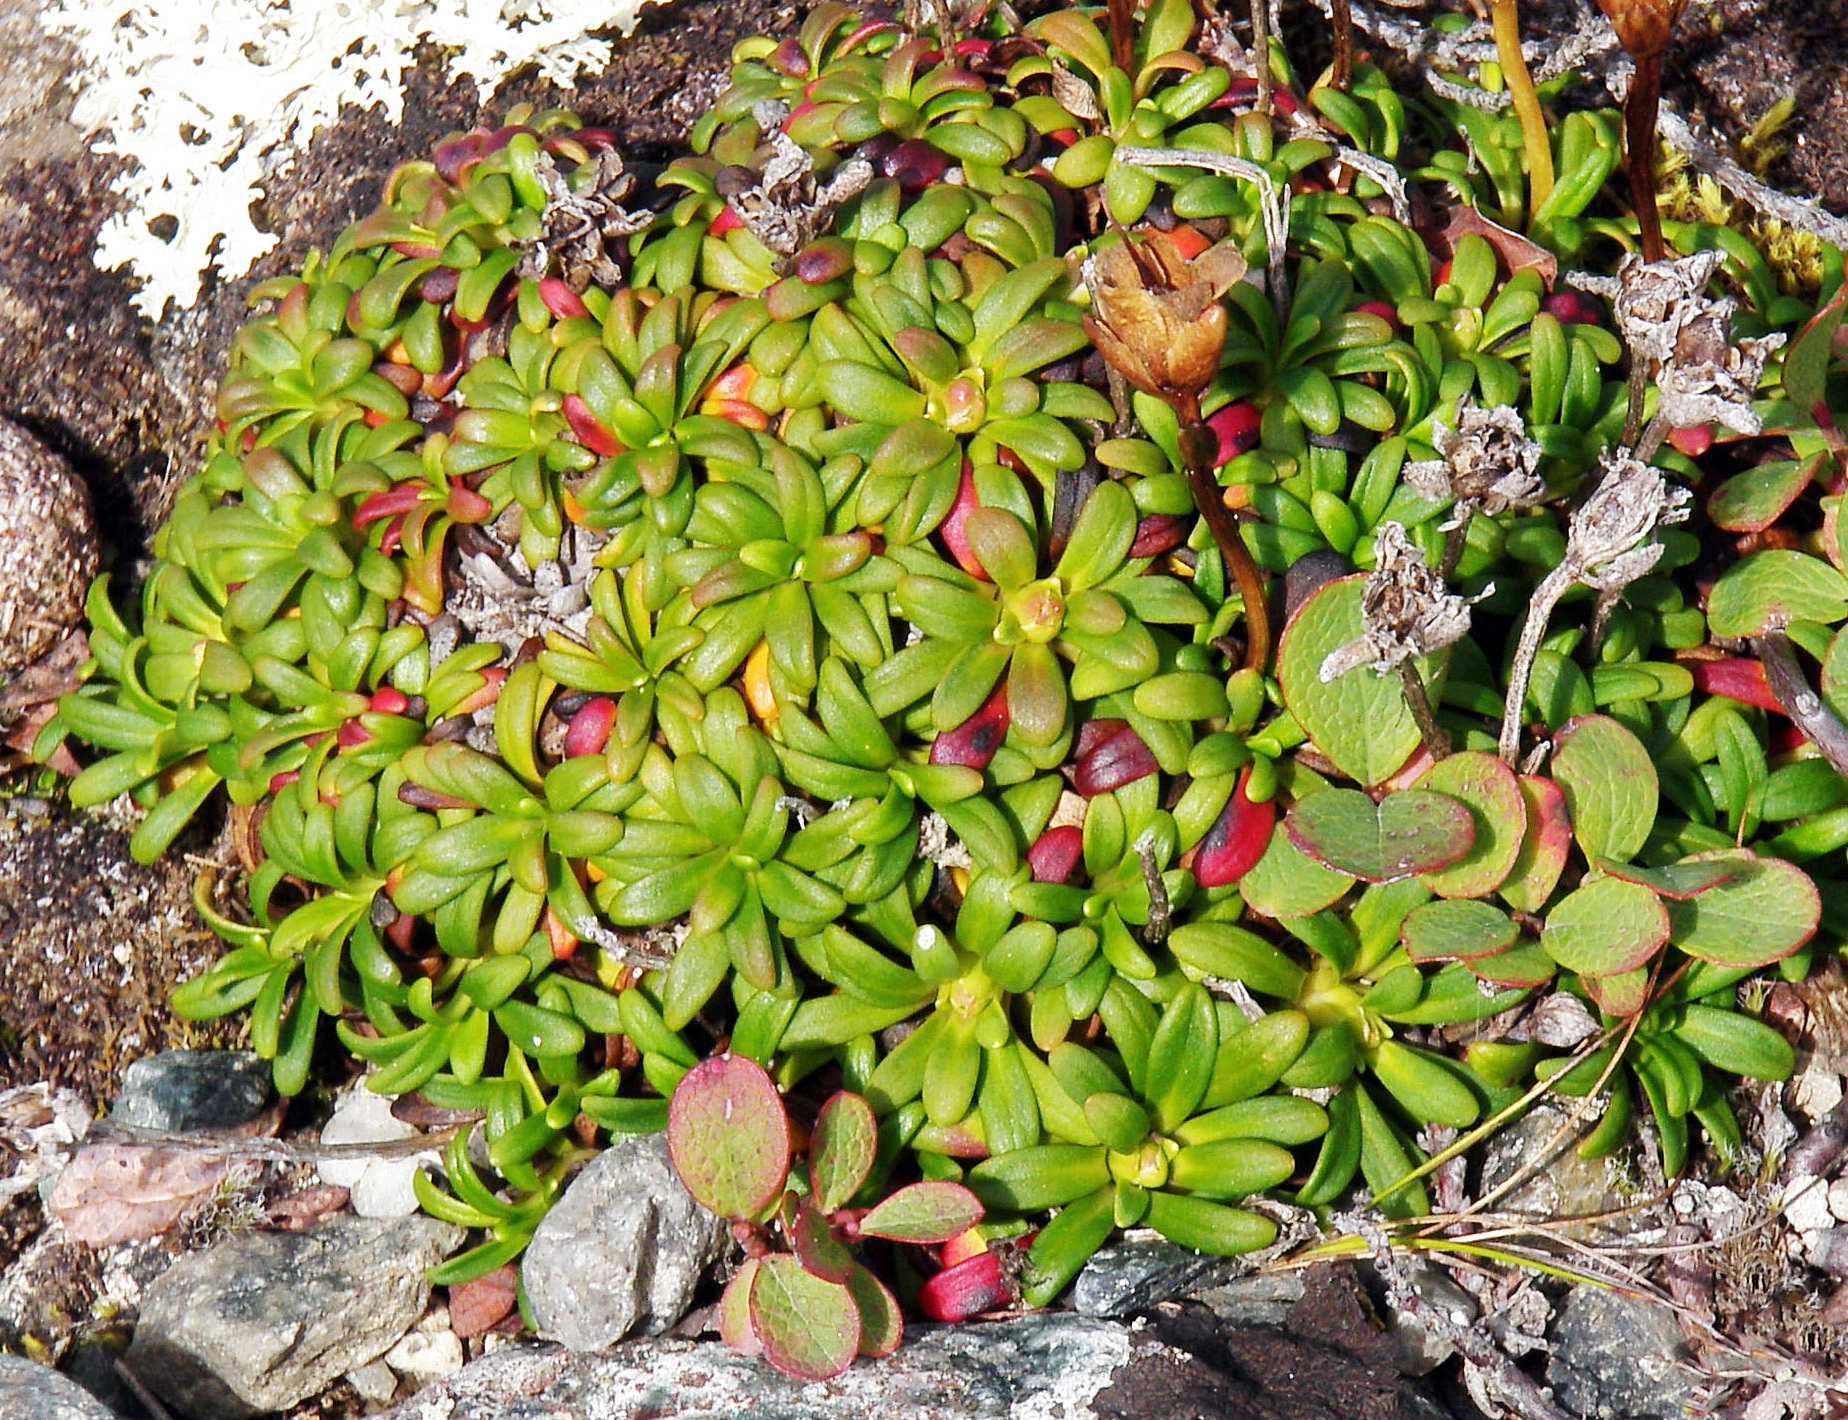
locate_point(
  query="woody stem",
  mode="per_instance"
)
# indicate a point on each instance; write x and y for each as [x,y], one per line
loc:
[1197,448]
[1454,541]
[1260,54]
[1552,587]
[1436,738]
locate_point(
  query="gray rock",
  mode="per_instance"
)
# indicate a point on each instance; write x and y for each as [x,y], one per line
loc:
[1044,1365]
[29,1391]
[1421,1348]
[1137,1272]
[263,1320]
[1561,1185]
[1262,1299]
[1618,1356]
[179,1090]
[621,1252]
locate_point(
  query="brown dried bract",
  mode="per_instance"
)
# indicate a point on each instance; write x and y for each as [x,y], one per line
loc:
[1155,315]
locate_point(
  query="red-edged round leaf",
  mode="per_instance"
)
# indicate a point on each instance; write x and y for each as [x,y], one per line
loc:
[816,1246]
[1545,846]
[930,1212]
[1610,785]
[728,1136]
[1678,881]
[735,1328]
[841,1149]
[1489,789]
[1605,927]
[1760,916]
[1413,831]
[810,1328]
[1457,930]
[882,1326]
[1752,501]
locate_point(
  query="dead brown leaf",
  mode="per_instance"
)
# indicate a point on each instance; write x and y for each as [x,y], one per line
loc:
[1517,253]
[115,1193]
[477,1306]
[302,1210]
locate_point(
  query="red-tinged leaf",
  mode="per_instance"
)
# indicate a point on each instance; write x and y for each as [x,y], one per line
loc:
[954,527]
[969,1288]
[810,1328]
[1489,790]
[966,1244]
[1806,362]
[1678,881]
[588,430]
[1414,831]
[841,1149]
[1623,994]
[728,1136]
[1752,501]
[1237,839]
[399,498]
[735,1328]
[1737,679]
[560,299]
[588,730]
[1545,846]
[1692,440]
[929,1212]
[1158,533]
[468,506]
[816,1246]
[1056,854]
[1235,431]
[1523,964]
[882,1326]
[1121,759]
[974,742]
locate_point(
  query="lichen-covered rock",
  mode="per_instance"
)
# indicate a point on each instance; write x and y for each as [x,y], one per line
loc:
[48,548]
[263,1320]
[1618,1356]
[621,1252]
[180,1090]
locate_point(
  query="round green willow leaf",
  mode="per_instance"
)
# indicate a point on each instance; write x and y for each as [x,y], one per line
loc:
[1491,792]
[930,1212]
[809,1327]
[1606,927]
[1768,590]
[1760,916]
[728,1136]
[1358,720]
[841,1149]
[1456,930]
[1287,882]
[1524,964]
[1610,785]
[1410,832]
[1546,843]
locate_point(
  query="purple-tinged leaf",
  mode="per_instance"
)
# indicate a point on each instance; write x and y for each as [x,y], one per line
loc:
[930,1212]
[810,1328]
[841,1149]
[1238,837]
[1413,831]
[815,1245]
[882,1326]
[728,1136]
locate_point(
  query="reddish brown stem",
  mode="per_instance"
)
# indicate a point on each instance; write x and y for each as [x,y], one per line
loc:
[1197,448]
[1639,141]
[1342,71]
[1122,35]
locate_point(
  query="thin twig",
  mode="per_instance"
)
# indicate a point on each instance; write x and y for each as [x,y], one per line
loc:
[1807,710]
[1436,738]
[218,1146]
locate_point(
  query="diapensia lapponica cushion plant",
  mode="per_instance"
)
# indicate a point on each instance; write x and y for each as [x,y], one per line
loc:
[1015,589]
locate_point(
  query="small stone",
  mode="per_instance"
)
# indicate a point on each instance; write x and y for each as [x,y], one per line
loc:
[30,1391]
[1421,1345]
[48,551]
[622,1251]
[1806,1204]
[1262,1299]
[1838,1200]
[1830,1252]
[425,1355]
[1561,1185]
[375,1381]
[1618,1356]
[182,1090]
[1137,1272]
[380,1187]
[263,1320]
[1816,1091]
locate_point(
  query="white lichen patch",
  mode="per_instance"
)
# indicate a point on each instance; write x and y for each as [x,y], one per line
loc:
[209,102]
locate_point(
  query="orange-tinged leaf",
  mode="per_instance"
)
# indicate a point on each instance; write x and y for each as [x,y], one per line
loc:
[1545,846]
